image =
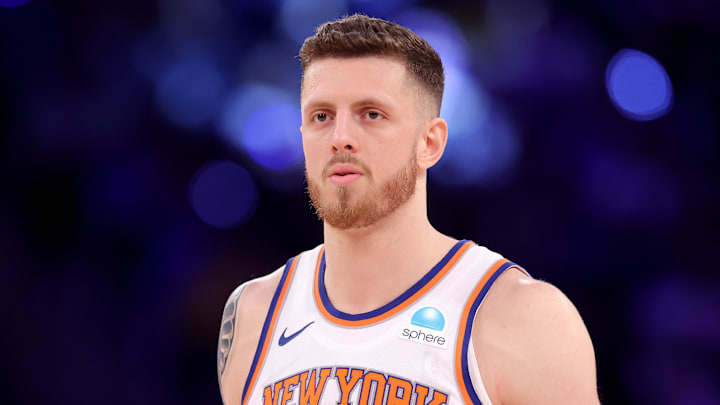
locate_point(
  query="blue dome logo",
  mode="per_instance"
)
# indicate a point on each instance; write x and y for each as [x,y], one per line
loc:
[429,317]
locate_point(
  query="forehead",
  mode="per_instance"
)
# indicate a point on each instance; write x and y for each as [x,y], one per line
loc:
[331,80]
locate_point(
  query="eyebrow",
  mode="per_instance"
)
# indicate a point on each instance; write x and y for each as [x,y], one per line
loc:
[365,101]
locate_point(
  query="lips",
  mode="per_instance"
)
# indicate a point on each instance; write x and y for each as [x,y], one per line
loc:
[344,174]
[344,170]
[344,180]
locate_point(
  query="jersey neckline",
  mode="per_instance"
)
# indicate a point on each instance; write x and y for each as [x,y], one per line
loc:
[412,294]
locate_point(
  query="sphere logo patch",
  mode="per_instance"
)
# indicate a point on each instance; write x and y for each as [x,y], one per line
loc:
[429,317]
[426,326]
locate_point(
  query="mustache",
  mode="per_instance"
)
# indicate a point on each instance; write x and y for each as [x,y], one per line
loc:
[346,159]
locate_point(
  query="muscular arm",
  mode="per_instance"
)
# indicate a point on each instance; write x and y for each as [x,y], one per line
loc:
[240,330]
[532,346]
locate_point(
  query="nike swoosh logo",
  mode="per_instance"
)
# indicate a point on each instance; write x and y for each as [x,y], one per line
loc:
[285,339]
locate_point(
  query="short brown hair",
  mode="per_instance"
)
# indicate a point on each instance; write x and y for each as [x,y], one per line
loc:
[359,35]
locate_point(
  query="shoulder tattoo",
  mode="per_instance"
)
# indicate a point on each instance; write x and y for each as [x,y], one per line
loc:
[227,331]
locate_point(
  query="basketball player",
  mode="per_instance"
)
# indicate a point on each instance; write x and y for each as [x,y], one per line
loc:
[389,310]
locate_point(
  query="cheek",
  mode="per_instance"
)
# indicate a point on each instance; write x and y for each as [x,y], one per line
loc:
[392,152]
[313,157]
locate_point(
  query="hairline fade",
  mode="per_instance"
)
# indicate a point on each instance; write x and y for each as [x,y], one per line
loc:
[358,35]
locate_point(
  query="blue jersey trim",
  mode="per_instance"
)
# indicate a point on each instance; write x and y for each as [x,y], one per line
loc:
[468,329]
[266,326]
[392,304]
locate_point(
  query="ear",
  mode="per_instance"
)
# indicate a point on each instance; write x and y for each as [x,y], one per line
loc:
[431,144]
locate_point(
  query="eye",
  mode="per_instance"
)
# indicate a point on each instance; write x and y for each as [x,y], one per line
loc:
[320,117]
[373,115]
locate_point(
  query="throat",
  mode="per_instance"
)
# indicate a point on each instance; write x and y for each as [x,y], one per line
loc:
[365,285]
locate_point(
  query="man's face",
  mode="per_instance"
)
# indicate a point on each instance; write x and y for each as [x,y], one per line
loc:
[360,126]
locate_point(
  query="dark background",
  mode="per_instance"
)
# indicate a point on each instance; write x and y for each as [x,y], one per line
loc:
[150,162]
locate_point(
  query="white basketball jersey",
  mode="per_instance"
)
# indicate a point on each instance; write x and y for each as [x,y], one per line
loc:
[413,350]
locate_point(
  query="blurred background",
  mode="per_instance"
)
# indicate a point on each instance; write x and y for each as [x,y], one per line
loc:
[150,161]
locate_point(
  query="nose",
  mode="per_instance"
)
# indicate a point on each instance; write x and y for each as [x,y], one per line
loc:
[344,137]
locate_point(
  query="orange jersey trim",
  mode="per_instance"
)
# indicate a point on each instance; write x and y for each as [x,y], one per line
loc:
[266,338]
[465,328]
[395,309]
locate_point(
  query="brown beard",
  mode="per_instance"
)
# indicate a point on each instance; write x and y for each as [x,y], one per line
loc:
[341,212]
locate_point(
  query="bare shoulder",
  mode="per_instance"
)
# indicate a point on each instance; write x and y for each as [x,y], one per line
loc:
[240,330]
[532,346]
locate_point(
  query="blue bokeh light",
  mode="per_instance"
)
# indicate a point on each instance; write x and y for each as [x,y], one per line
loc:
[638,85]
[482,144]
[441,32]
[465,105]
[264,122]
[379,7]
[484,157]
[299,18]
[223,194]
[271,135]
[189,93]
[13,3]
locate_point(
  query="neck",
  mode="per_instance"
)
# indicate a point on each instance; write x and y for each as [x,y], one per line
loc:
[369,267]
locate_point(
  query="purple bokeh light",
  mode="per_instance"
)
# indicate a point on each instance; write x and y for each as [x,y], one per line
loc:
[678,299]
[622,188]
[189,93]
[675,319]
[223,194]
